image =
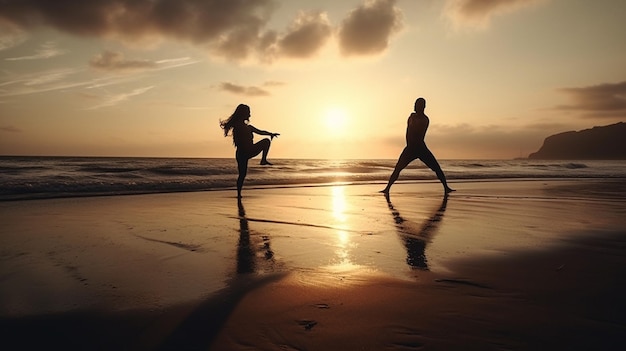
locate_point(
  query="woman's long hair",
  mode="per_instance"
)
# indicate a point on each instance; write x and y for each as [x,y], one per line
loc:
[241,114]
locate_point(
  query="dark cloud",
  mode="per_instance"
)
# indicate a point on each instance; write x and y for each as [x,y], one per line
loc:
[115,61]
[306,35]
[199,22]
[249,90]
[368,28]
[601,101]
[239,43]
[478,13]
[10,35]
[243,90]
[10,129]
[233,29]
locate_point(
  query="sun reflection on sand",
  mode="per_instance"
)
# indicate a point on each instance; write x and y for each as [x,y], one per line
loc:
[343,249]
[339,203]
[344,245]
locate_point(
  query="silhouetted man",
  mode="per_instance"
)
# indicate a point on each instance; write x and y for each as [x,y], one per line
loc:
[417,124]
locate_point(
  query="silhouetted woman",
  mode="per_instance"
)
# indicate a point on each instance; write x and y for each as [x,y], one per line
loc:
[243,140]
[416,127]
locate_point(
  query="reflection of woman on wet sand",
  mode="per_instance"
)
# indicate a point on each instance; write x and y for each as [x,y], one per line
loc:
[417,124]
[416,238]
[198,328]
[243,140]
[246,253]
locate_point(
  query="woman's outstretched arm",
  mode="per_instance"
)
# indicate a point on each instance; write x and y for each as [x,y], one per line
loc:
[263,132]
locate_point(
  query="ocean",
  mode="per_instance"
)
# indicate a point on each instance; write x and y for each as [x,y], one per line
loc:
[24,178]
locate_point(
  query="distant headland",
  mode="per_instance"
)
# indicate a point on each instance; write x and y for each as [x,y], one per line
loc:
[597,143]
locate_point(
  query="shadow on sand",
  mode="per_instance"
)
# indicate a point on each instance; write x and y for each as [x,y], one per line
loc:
[199,328]
[190,326]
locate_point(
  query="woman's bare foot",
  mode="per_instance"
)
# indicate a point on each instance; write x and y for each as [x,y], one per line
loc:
[266,163]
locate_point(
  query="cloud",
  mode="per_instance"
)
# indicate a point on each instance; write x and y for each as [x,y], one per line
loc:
[306,35]
[606,100]
[48,49]
[38,82]
[115,61]
[273,83]
[10,129]
[244,90]
[367,29]
[303,38]
[479,13]
[53,80]
[235,30]
[198,22]
[68,78]
[241,42]
[10,35]
[176,62]
[489,141]
[115,99]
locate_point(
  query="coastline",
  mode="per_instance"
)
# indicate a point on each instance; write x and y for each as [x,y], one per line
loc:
[25,178]
[510,264]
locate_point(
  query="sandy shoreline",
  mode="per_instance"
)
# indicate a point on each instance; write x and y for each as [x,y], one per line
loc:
[497,265]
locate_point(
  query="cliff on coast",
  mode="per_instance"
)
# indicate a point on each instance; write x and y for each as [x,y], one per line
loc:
[597,143]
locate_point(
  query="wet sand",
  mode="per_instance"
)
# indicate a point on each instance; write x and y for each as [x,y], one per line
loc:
[526,264]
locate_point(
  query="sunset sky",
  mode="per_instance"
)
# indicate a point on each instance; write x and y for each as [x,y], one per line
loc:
[337,79]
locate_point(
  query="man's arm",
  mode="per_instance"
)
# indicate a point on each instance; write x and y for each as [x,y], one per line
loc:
[408,130]
[416,129]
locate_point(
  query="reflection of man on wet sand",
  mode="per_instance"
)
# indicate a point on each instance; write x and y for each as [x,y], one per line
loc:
[417,124]
[416,238]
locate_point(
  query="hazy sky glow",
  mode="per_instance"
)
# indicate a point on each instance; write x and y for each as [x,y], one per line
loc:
[337,79]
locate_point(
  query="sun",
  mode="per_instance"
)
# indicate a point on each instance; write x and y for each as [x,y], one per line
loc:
[336,120]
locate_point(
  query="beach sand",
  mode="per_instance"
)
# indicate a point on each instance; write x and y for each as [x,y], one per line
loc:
[498,265]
